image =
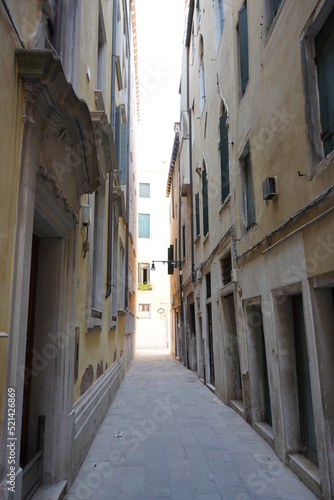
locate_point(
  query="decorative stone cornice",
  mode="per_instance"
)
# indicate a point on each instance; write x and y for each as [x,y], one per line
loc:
[51,100]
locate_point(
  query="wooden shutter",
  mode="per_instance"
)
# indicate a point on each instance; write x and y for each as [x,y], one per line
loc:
[198,224]
[276,4]
[205,203]
[243,46]
[224,159]
[324,45]
[250,208]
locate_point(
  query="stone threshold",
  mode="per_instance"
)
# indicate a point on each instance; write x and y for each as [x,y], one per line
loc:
[307,472]
[266,432]
[238,406]
[51,491]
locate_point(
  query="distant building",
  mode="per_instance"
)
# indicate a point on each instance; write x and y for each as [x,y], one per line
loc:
[68,268]
[153,285]
[252,210]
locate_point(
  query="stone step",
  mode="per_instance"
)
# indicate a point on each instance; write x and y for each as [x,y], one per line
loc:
[51,491]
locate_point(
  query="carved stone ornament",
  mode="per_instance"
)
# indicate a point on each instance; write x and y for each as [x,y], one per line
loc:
[62,119]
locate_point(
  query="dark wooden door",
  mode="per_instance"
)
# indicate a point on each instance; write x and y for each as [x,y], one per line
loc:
[306,415]
[24,458]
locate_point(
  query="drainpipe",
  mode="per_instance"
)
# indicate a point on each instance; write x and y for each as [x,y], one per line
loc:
[111,180]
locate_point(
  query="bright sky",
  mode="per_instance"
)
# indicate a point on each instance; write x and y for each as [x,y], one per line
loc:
[160,26]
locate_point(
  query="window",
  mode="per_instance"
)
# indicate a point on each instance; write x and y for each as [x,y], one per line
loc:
[219,20]
[183,241]
[121,132]
[202,76]
[143,273]
[208,285]
[96,258]
[144,311]
[249,193]
[197,213]
[144,226]
[226,268]
[121,285]
[324,48]
[205,203]
[144,190]
[224,158]
[243,47]
[101,55]
[270,12]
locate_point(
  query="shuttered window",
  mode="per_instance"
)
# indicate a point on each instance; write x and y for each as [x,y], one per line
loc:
[276,4]
[144,190]
[324,46]
[249,193]
[121,133]
[143,225]
[243,46]
[205,203]
[198,223]
[224,159]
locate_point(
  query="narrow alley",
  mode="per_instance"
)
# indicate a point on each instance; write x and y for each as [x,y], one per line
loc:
[166,435]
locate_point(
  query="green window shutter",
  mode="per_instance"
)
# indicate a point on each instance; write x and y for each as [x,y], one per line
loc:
[198,224]
[148,272]
[205,203]
[118,120]
[122,168]
[276,4]
[143,225]
[243,46]
[170,256]
[144,190]
[324,46]
[250,206]
[184,241]
[224,159]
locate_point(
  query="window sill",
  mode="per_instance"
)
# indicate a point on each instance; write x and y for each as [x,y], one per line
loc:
[198,237]
[227,289]
[325,163]
[225,202]
[206,237]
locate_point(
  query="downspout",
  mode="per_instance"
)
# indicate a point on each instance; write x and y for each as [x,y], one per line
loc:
[111,179]
[128,166]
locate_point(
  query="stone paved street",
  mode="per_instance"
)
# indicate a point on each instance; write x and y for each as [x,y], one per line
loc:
[167,436]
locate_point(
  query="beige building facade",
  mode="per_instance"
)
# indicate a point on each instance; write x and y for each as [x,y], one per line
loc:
[255,227]
[68,231]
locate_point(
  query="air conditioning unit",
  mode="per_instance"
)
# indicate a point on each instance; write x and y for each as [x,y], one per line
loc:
[269,188]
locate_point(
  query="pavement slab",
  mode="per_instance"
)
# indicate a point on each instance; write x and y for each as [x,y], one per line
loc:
[167,436]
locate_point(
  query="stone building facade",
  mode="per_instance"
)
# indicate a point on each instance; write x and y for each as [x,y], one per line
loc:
[254,187]
[68,232]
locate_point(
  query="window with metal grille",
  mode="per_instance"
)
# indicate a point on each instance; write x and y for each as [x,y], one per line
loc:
[226,268]
[208,285]
[144,311]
